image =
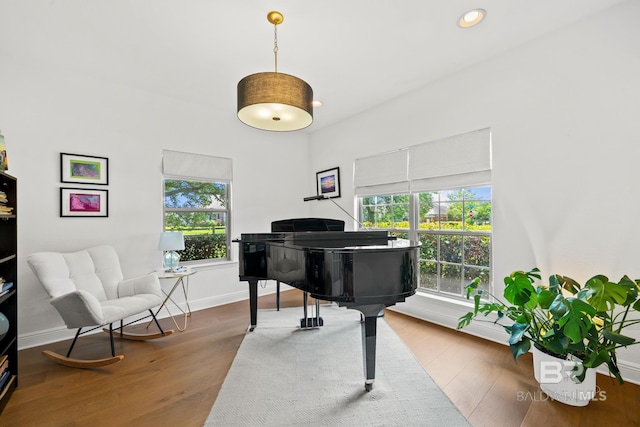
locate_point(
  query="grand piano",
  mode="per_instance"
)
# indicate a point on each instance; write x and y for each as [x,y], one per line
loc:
[362,270]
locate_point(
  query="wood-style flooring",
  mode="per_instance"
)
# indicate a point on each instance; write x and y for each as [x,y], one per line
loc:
[175,380]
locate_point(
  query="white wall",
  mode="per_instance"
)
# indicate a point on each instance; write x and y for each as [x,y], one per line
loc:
[46,111]
[563,112]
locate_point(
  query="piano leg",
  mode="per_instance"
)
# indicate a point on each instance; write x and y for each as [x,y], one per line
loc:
[369,350]
[369,332]
[305,314]
[253,303]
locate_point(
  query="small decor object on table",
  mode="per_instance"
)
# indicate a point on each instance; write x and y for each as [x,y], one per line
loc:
[170,242]
[329,182]
[83,169]
[77,202]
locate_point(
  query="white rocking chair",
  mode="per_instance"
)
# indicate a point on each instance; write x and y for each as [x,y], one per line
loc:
[88,290]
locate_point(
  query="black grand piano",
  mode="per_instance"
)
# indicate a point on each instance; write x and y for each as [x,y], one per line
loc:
[362,270]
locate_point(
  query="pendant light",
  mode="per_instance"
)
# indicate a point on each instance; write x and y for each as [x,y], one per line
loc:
[275,101]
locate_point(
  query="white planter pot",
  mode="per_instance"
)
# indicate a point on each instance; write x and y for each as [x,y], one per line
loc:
[557,379]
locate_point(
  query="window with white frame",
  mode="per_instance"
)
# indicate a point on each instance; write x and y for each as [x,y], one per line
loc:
[196,192]
[390,212]
[454,229]
[438,193]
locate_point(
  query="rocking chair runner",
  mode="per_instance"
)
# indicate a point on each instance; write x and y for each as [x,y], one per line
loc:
[88,290]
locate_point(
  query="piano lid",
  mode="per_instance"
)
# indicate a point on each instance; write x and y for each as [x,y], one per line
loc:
[320,239]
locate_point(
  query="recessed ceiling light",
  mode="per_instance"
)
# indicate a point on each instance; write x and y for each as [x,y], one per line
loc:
[472,18]
[316,103]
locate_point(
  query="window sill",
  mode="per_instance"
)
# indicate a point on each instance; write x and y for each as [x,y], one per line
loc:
[205,265]
[445,312]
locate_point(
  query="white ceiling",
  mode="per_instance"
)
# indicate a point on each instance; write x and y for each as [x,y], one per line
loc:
[355,54]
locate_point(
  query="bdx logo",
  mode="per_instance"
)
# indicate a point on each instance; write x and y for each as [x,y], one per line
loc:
[553,372]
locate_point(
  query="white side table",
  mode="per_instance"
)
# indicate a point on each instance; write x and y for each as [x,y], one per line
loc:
[181,278]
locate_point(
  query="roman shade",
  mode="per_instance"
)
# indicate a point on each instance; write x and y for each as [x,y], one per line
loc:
[382,174]
[197,166]
[451,162]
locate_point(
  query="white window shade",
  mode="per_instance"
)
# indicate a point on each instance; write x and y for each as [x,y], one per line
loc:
[469,152]
[466,156]
[452,162]
[381,174]
[196,166]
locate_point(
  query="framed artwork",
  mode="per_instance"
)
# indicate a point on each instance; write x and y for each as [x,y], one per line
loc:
[82,169]
[84,202]
[329,183]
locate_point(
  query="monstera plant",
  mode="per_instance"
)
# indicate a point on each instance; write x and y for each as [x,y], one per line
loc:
[562,318]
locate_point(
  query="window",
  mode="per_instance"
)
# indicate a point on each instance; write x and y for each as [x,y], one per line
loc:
[200,210]
[196,192]
[386,212]
[453,226]
[400,191]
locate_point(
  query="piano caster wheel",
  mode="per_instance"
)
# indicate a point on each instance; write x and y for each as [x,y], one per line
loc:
[368,386]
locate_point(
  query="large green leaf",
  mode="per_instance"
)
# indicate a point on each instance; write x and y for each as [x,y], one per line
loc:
[632,290]
[558,307]
[603,294]
[545,298]
[576,321]
[519,348]
[517,332]
[519,290]
[565,283]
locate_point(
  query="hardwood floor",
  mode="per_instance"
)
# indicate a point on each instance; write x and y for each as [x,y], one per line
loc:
[174,381]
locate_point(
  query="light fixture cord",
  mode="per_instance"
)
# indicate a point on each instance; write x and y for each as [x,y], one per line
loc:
[275,45]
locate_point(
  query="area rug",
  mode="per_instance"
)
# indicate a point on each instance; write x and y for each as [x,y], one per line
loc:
[286,376]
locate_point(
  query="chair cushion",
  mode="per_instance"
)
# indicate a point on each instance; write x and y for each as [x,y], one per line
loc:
[116,309]
[87,287]
[107,268]
[82,272]
[95,270]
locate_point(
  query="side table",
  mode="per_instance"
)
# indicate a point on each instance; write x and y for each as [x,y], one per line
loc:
[181,277]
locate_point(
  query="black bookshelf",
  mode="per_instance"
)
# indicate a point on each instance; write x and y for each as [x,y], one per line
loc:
[8,298]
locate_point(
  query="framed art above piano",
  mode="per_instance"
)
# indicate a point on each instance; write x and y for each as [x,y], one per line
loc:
[329,183]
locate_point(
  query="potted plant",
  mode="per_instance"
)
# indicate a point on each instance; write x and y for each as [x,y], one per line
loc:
[573,322]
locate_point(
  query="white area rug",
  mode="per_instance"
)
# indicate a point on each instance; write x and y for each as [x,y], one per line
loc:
[285,376]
